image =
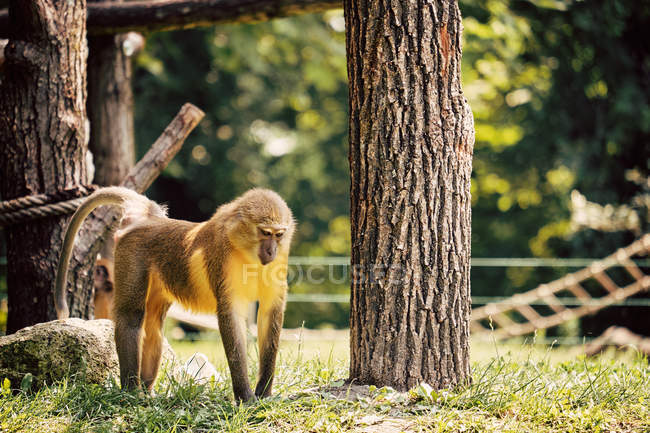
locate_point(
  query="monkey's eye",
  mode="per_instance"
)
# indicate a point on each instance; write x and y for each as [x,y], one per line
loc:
[279,234]
[266,232]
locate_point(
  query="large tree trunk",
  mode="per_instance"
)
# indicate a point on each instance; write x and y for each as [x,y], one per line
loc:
[411,144]
[42,141]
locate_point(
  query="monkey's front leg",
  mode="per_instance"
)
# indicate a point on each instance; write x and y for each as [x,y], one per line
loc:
[269,326]
[231,327]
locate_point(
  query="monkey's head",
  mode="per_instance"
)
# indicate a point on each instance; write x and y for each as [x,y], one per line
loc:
[262,224]
[103,275]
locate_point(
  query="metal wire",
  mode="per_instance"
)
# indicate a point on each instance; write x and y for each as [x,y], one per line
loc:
[479,262]
[344,298]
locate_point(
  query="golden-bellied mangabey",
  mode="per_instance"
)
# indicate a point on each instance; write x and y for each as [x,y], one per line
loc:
[221,265]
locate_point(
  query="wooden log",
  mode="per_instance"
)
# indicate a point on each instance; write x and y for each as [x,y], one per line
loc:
[164,149]
[620,338]
[3,44]
[94,231]
[150,16]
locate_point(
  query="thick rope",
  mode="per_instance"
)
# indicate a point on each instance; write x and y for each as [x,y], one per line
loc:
[43,205]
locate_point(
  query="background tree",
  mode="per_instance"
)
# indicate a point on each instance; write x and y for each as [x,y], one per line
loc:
[560,96]
[597,124]
[44,145]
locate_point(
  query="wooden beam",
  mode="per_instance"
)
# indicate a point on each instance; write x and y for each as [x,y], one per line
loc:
[152,16]
[96,227]
[3,44]
[164,149]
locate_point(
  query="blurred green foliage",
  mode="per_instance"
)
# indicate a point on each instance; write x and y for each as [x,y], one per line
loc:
[275,100]
[560,92]
[561,96]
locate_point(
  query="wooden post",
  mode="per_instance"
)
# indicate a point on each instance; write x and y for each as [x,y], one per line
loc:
[110,107]
[110,112]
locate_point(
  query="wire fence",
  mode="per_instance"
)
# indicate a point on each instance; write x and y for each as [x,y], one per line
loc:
[482,262]
[343,298]
[477,262]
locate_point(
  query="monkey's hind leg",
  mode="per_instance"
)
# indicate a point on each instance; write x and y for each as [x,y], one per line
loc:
[128,315]
[156,310]
[128,342]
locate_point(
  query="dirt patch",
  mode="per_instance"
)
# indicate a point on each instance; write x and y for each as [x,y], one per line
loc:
[392,425]
[347,392]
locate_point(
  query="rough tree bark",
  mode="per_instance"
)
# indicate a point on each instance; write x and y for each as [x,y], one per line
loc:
[43,140]
[411,145]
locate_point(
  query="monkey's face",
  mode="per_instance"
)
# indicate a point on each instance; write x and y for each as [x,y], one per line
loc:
[269,238]
[261,225]
[103,275]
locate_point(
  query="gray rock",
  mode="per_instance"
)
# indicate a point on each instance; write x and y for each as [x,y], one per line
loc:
[72,348]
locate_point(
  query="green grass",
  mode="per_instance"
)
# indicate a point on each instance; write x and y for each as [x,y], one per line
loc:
[515,388]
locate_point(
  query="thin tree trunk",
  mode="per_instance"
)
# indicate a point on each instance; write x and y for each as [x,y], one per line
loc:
[110,108]
[411,144]
[43,140]
[110,111]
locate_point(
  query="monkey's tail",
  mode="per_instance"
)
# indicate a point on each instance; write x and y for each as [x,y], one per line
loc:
[117,196]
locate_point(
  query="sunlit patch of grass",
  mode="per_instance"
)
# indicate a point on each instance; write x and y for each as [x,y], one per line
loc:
[210,345]
[578,395]
[514,388]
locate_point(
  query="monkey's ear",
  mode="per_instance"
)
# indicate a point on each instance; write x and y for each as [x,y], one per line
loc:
[293,225]
[233,222]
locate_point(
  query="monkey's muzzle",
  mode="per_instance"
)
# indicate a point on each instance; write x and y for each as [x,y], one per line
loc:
[268,250]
